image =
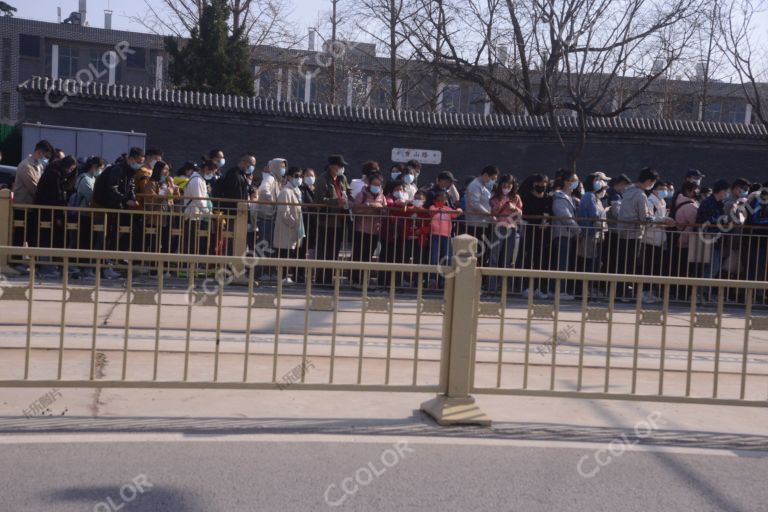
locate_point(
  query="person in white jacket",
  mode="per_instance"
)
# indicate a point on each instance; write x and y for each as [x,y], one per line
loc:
[197,210]
[653,247]
[289,221]
[263,213]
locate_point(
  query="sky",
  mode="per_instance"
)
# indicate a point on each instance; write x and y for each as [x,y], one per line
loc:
[305,12]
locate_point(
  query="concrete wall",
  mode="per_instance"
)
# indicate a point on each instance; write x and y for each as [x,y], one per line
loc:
[187,133]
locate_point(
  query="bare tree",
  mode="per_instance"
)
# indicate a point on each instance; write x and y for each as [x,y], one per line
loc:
[262,21]
[585,57]
[746,53]
[384,22]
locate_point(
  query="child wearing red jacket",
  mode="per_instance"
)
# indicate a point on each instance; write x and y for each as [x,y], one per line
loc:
[442,229]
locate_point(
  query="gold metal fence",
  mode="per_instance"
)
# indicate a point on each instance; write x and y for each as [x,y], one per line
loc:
[214,329]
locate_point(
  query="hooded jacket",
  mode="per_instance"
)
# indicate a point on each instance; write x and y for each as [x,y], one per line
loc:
[269,190]
[634,209]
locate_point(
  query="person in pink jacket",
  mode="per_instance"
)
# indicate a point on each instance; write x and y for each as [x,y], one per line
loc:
[442,228]
[368,207]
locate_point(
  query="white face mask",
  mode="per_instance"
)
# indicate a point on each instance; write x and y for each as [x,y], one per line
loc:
[309,180]
[506,190]
[418,203]
[340,171]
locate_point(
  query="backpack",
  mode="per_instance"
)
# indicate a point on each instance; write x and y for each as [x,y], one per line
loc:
[676,207]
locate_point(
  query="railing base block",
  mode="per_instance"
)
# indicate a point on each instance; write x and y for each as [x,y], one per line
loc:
[455,411]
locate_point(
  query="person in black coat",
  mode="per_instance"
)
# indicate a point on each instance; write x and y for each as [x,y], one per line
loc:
[234,184]
[52,191]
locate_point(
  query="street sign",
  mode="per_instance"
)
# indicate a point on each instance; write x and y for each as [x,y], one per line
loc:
[424,156]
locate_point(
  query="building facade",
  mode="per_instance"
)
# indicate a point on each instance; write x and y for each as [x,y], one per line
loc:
[345,73]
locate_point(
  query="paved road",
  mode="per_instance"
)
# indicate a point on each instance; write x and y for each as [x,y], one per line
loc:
[210,473]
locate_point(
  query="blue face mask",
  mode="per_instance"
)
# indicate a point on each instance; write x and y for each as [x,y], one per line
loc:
[44,162]
[408,178]
[250,170]
[222,163]
[135,166]
[282,171]
[743,194]
[395,175]
[208,177]
[574,185]
[663,194]
[375,189]
[490,184]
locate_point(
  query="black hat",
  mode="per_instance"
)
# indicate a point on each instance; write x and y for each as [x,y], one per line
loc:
[446,175]
[337,160]
[694,173]
[620,178]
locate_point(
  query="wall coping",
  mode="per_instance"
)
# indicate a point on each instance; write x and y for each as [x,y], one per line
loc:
[122,93]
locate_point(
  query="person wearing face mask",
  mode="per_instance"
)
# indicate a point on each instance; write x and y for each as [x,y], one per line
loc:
[289,221]
[691,176]
[197,211]
[735,202]
[307,248]
[535,240]
[52,190]
[478,212]
[417,233]
[685,258]
[757,234]
[712,214]
[28,174]
[155,191]
[565,229]
[409,184]
[591,214]
[331,190]
[441,232]
[87,240]
[633,215]
[395,172]
[217,157]
[653,251]
[444,182]
[153,156]
[234,185]
[393,231]
[368,208]
[507,209]
[263,212]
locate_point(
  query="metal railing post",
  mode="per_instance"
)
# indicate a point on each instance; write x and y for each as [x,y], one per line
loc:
[240,243]
[455,406]
[6,229]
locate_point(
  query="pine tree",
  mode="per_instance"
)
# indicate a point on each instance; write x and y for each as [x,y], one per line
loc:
[212,60]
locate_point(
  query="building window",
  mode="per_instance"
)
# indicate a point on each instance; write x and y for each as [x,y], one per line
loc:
[98,68]
[713,111]
[5,105]
[736,113]
[452,98]
[68,62]
[137,58]
[477,100]
[299,87]
[7,59]
[29,46]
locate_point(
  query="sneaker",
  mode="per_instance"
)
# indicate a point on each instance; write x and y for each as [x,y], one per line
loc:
[288,282]
[108,273]
[540,295]
[565,296]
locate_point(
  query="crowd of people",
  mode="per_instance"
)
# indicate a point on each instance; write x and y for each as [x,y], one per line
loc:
[595,224]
